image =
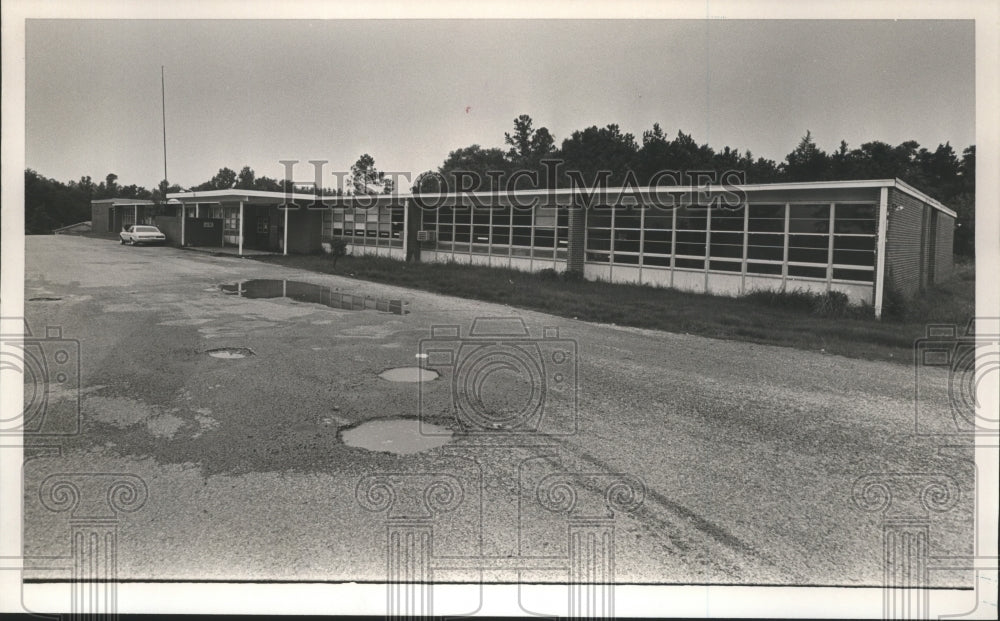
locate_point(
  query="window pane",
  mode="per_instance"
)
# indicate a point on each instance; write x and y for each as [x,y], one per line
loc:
[658,236]
[726,250]
[866,227]
[767,211]
[733,239]
[766,240]
[545,238]
[765,225]
[657,261]
[657,218]
[841,242]
[501,234]
[690,237]
[627,259]
[853,257]
[809,241]
[727,219]
[657,247]
[805,255]
[862,275]
[807,272]
[855,212]
[628,218]
[599,219]
[627,245]
[697,264]
[521,236]
[809,225]
[764,268]
[725,266]
[810,212]
[691,220]
[695,250]
[765,252]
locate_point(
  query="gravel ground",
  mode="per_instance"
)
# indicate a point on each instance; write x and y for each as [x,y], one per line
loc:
[740,458]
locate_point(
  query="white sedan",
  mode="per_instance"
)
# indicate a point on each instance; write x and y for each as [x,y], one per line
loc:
[142,234]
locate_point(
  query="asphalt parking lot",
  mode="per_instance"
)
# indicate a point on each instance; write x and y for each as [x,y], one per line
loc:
[710,461]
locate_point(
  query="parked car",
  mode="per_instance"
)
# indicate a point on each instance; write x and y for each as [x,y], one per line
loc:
[142,234]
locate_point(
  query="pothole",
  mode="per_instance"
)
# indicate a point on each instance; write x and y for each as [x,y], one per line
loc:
[314,294]
[44,299]
[409,374]
[401,436]
[230,353]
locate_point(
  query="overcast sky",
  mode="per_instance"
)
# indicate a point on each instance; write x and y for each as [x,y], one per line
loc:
[410,91]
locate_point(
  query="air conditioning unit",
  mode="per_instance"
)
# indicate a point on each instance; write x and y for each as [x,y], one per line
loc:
[425,236]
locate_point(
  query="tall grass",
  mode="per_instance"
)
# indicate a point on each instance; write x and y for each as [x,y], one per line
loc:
[819,322]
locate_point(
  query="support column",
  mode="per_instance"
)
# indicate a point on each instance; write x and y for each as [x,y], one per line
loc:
[183,209]
[576,233]
[406,229]
[241,229]
[284,232]
[883,225]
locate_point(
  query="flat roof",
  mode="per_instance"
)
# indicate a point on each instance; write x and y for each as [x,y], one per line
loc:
[122,201]
[383,199]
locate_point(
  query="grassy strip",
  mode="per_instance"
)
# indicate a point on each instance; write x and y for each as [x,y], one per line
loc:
[793,319]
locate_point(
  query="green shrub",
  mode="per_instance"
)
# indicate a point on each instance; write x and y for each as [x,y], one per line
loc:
[827,304]
[832,304]
[338,248]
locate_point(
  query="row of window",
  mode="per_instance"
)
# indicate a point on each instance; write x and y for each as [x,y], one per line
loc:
[752,267]
[816,241]
[365,227]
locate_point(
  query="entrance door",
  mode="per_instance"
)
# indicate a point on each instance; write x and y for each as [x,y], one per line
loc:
[262,226]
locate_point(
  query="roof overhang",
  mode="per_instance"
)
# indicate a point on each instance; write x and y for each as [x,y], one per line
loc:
[122,201]
[560,195]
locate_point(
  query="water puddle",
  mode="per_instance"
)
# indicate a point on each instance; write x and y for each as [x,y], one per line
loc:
[402,436]
[44,299]
[230,353]
[314,294]
[409,374]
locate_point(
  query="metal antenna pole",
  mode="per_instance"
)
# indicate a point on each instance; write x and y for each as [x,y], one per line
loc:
[163,101]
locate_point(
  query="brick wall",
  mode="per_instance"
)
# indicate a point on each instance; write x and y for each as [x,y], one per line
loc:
[904,245]
[304,231]
[945,257]
[171,227]
[99,217]
[577,226]
[919,244]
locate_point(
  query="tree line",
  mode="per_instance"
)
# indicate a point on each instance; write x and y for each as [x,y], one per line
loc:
[615,158]
[595,153]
